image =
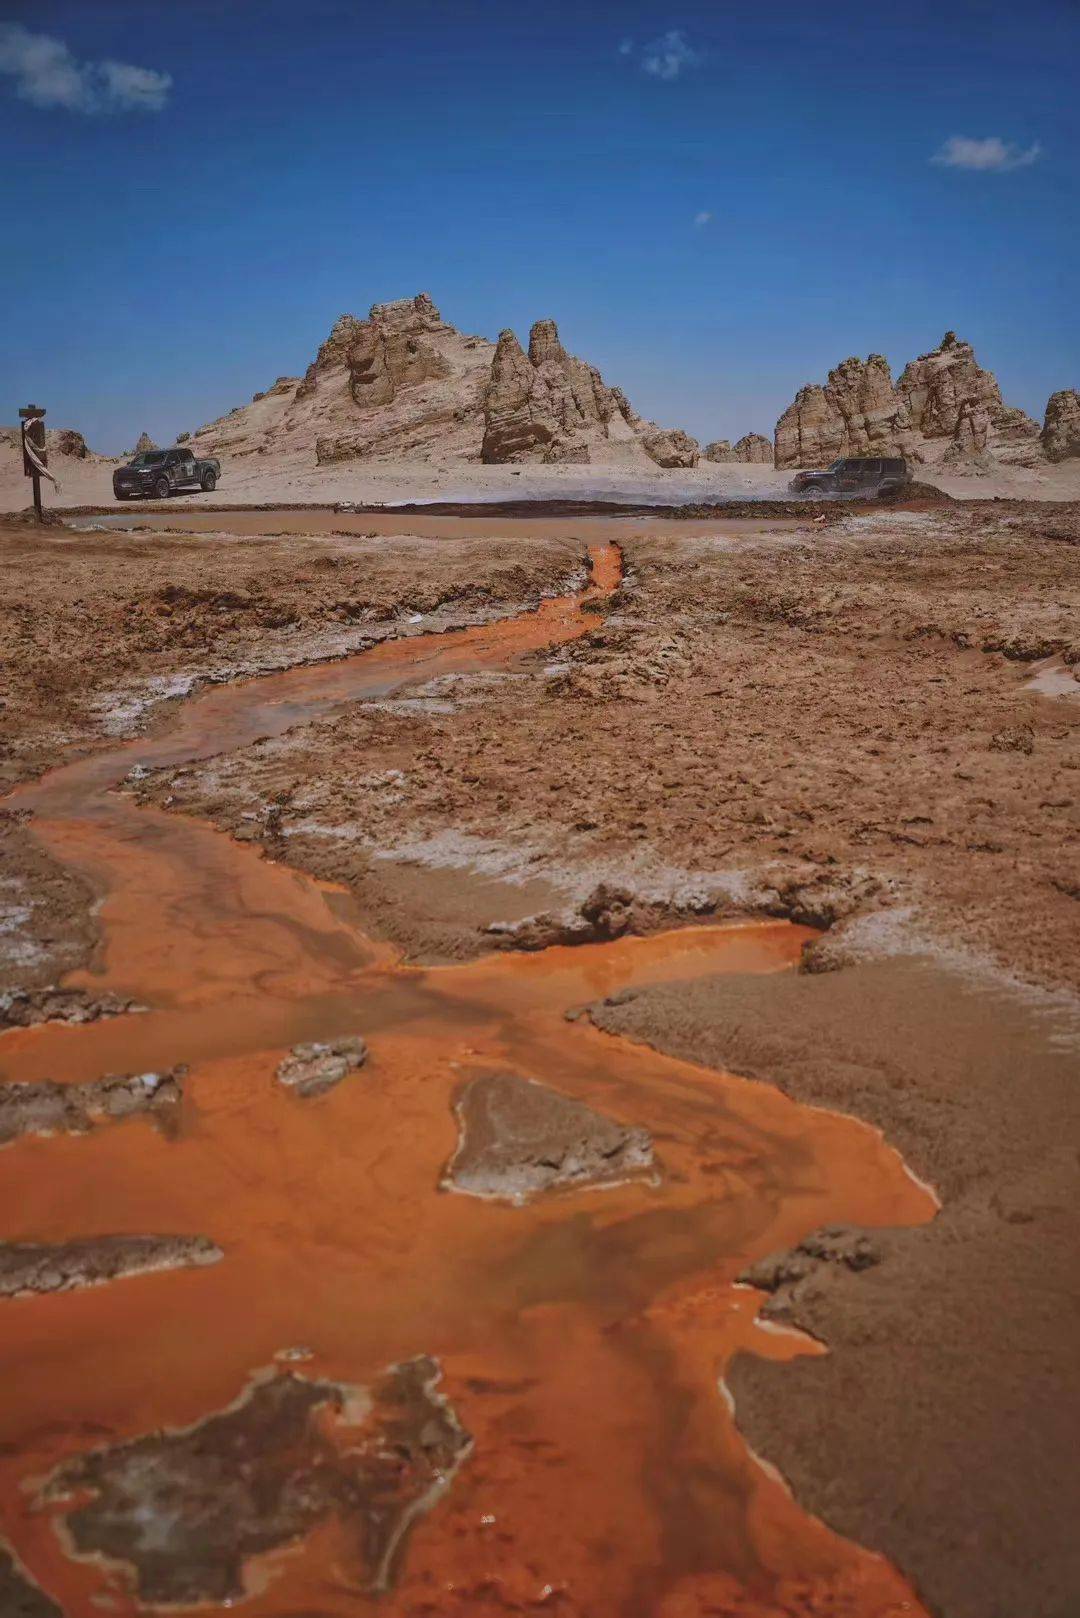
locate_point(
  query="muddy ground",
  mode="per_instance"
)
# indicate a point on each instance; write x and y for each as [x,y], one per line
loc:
[840,724]
[871,725]
[101,632]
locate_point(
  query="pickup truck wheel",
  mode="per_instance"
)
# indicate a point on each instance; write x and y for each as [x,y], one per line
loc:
[814,493]
[161,489]
[209,482]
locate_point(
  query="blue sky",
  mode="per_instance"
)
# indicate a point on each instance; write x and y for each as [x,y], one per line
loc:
[174,243]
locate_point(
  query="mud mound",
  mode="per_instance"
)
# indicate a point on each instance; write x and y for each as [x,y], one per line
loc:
[186,1510]
[28,1267]
[311,1070]
[48,1108]
[518,1139]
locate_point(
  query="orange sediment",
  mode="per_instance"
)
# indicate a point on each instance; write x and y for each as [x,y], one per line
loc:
[583,1337]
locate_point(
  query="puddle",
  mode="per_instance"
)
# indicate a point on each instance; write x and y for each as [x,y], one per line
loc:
[582,1338]
[1053,677]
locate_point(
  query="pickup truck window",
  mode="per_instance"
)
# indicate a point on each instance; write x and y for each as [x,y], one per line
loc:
[148,458]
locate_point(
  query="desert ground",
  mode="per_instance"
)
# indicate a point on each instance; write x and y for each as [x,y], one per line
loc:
[540,1051]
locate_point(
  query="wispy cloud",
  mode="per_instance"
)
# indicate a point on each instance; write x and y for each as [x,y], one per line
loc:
[669,56]
[626,47]
[703,218]
[991,155]
[46,74]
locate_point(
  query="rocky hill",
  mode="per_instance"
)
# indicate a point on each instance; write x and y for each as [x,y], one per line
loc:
[943,409]
[402,383]
[405,384]
[64,441]
[752,447]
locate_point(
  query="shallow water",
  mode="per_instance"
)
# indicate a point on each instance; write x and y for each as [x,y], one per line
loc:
[583,1338]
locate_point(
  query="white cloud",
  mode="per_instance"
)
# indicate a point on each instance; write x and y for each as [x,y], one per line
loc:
[989,156]
[47,75]
[703,218]
[667,56]
[626,46]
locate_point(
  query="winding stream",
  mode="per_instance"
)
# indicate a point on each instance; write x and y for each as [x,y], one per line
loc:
[583,1338]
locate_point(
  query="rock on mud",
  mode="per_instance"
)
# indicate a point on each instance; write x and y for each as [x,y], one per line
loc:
[519,1138]
[27,1267]
[185,1510]
[607,913]
[48,1108]
[786,1273]
[25,1008]
[20,1597]
[311,1070]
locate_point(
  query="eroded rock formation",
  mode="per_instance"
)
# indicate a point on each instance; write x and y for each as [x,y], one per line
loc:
[856,412]
[754,447]
[751,447]
[143,443]
[942,408]
[670,446]
[1061,429]
[548,405]
[403,382]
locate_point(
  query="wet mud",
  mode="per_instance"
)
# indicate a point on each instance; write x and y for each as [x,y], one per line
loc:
[583,1337]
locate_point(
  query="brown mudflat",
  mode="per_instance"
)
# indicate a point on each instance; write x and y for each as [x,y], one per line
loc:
[952,1348]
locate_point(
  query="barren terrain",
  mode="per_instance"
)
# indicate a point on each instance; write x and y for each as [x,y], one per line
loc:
[795,800]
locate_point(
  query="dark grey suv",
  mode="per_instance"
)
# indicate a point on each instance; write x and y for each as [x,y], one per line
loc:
[160,472]
[854,475]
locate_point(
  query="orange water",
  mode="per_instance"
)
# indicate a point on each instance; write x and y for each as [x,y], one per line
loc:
[583,1338]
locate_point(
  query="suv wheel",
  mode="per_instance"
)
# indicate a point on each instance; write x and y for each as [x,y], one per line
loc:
[161,489]
[209,482]
[815,492]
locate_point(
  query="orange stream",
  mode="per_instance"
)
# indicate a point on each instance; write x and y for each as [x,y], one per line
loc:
[583,1338]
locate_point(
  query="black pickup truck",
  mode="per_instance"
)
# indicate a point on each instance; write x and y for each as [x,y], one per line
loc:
[161,472]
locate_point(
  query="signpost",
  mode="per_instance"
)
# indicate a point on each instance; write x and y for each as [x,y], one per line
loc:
[35,455]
